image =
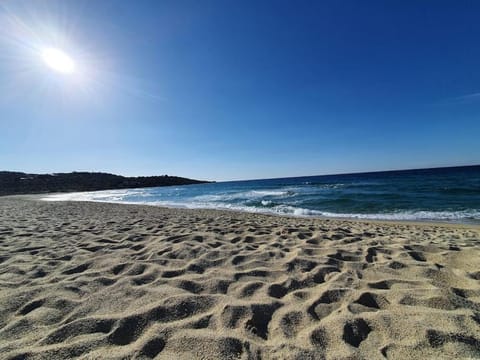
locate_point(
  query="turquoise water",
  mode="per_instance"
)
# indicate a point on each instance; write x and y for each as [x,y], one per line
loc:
[448,194]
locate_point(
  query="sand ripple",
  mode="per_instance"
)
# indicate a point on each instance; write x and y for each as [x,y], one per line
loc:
[103,281]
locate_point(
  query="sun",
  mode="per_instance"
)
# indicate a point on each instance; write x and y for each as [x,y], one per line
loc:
[58,60]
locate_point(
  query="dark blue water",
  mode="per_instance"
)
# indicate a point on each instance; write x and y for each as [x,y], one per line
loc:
[447,194]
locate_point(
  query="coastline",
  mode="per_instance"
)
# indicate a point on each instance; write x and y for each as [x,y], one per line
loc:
[105,280]
[429,195]
[40,197]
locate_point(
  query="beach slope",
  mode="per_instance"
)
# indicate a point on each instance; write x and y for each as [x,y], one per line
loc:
[109,281]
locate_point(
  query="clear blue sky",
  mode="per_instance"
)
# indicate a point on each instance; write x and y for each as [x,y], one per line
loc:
[240,89]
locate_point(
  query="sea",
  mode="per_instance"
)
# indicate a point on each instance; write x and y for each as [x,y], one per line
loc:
[440,194]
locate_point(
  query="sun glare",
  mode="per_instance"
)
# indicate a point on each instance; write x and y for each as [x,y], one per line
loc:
[59,61]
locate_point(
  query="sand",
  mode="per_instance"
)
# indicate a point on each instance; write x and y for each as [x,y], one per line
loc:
[109,281]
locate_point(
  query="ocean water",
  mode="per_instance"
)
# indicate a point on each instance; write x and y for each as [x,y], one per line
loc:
[447,194]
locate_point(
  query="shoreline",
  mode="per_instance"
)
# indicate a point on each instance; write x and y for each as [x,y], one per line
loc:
[37,197]
[103,280]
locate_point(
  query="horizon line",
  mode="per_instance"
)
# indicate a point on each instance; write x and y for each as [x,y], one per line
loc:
[359,172]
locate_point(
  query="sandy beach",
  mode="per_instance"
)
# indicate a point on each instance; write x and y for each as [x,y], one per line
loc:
[109,281]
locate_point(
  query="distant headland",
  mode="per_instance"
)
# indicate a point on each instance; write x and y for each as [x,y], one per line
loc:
[12,183]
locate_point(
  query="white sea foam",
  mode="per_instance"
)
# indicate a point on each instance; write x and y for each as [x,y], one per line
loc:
[271,192]
[414,215]
[331,186]
[302,212]
[107,196]
[243,195]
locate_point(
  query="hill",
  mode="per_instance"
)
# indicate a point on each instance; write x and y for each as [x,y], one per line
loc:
[21,183]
